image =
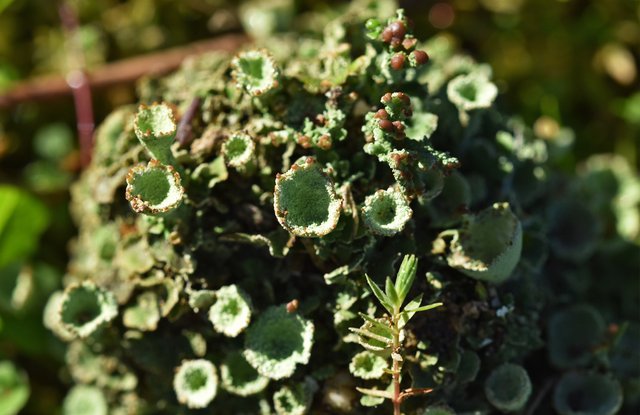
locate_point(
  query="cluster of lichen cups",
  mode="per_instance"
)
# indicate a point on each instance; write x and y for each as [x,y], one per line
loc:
[250,246]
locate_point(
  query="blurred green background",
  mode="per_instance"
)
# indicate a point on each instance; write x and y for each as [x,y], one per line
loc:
[559,64]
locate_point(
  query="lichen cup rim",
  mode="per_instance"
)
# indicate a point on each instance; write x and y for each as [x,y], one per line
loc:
[500,264]
[283,209]
[174,193]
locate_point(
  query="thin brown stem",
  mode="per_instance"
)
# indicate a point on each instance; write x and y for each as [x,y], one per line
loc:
[121,72]
[414,392]
[78,82]
[540,396]
[396,367]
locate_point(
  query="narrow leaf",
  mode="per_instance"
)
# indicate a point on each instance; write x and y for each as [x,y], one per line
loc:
[392,295]
[423,308]
[377,324]
[407,313]
[376,392]
[382,297]
[406,275]
[365,333]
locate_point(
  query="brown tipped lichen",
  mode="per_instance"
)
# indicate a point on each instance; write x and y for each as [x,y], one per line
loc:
[153,189]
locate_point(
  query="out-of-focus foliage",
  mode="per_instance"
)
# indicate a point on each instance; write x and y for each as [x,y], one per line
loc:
[559,62]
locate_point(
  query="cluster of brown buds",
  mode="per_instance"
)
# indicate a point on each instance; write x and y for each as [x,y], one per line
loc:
[395,35]
[382,115]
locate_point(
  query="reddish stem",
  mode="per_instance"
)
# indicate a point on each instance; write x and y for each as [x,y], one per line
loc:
[79,84]
[396,368]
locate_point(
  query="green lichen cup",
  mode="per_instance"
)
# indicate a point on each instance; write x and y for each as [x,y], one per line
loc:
[488,248]
[305,201]
[154,189]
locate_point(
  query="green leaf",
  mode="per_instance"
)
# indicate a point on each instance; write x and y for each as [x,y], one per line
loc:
[23,218]
[413,307]
[423,308]
[377,324]
[4,4]
[382,297]
[392,295]
[406,276]
[14,388]
[366,333]
[407,314]
[376,392]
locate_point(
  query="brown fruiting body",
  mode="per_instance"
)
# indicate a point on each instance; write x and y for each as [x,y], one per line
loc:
[397,61]
[385,125]
[420,56]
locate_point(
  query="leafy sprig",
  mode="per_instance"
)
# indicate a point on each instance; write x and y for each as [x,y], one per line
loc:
[384,335]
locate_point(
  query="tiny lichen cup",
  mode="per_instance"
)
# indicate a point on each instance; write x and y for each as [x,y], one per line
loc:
[85,307]
[488,248]
[153,189]
[572,334]
[386,212]
[256,72]
[305,201]
[195,383]
[587,393]
[508,387]
[231,313]
[155,127]
[277,342]
[238,377]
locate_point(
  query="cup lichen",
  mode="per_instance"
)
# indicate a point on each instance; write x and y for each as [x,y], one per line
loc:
[305,201]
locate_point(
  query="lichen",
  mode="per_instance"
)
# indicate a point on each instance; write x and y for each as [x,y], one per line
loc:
[343,188]
[195,383]
[278,342]
[305,201]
